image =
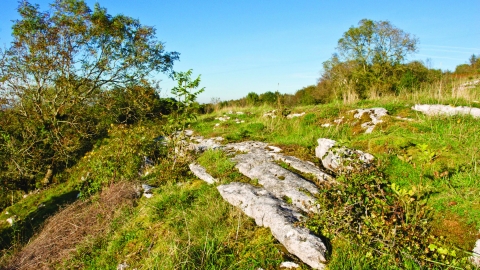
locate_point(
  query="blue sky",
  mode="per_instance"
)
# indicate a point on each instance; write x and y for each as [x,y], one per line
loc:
[257,46]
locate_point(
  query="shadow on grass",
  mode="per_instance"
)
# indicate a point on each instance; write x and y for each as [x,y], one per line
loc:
[23,230]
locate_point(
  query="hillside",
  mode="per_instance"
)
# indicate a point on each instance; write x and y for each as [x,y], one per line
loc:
[94,215]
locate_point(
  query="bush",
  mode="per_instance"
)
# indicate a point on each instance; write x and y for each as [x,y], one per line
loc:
[382,219]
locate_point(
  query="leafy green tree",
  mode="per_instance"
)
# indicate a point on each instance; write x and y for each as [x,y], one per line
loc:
[252,98]
[371,55]
[53,74]
[184,112]
[268,98]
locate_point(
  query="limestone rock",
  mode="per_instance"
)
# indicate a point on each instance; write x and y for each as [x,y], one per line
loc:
[272,114]
[293,115]
[271,212]
[201,173]
[122,266]
[475,258]
[375,115]
[341,159]
[205,144]
[257,164]
[304,167]
[147,191]
[289,265]
[438,109]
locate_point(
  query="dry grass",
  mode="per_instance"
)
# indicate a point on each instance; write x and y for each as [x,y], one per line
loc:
[60,235]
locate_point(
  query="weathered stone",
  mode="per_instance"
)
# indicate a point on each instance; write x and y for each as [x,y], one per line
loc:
[277,180]
[205,144]
[201,173]
[147,191]
[438,109]
[475,258]
[271,212]
[293,115]
[467,85]
[223,118]
[258,164]
[271,114]
[122,266]
[341,159]
[375,115]
[304,167]
[289,265]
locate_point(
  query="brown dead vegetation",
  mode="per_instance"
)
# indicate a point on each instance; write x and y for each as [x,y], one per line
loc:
[61,234]
[456,229]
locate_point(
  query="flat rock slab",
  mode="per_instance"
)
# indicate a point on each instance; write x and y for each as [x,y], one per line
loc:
[280,217]
[304,167]
[340,159]
[278,180]
[438,109]
[201,173]
[258,163]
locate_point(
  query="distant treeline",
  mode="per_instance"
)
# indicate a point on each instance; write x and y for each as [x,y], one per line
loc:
[337,83]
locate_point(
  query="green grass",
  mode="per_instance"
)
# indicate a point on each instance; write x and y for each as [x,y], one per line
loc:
[187,225]
[438,154]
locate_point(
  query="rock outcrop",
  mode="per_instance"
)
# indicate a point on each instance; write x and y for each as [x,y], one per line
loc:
[340,159]
[201,173]
[375,114]
[280,217]
[438,109]
[258,164]
[475,258]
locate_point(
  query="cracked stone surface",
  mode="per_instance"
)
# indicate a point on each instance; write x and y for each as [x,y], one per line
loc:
[258,164]
[269,211]
[304,167]
[375,115]
[284,195]
[205,144]
[438,109]
[339,158]
[201,173]
[279,181]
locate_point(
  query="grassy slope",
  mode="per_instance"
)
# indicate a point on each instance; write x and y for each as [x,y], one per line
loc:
[187,225]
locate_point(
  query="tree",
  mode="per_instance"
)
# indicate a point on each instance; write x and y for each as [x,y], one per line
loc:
[269,98]
[376,43]
[378,48]
[252,98]
[52,75]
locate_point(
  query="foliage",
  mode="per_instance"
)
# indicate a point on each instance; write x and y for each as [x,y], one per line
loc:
[252,98]
[376,42]
[471,68]
[119,157]
[183,114]
[134,104]
[370,59]
[53,75]
[382,218]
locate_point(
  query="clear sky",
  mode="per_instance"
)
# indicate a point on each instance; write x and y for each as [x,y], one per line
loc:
[264,45]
